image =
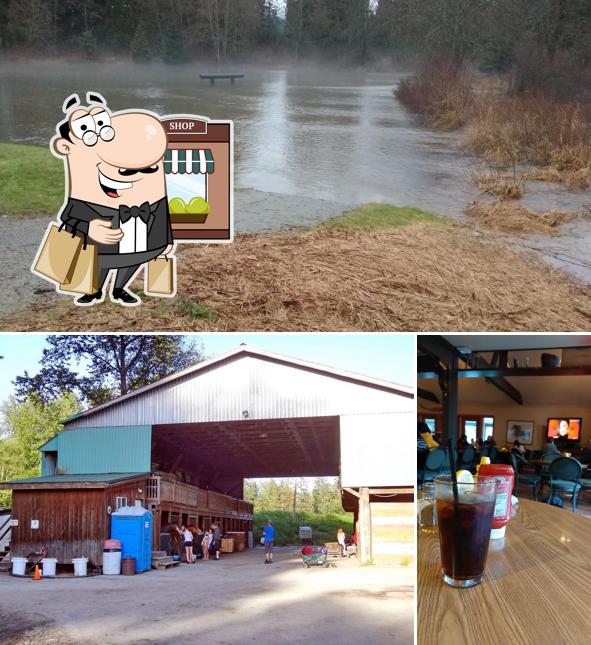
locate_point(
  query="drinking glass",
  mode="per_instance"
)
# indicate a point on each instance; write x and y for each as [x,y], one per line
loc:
[464,528]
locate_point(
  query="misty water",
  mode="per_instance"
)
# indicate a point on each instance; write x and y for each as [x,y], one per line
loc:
[309,143]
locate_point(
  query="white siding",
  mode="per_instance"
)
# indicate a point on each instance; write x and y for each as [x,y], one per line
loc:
[379,449]
[267,390]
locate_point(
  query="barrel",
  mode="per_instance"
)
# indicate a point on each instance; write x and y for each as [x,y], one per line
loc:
[80,566]
[18,566]
[49,565]
[112,558]
[128,566]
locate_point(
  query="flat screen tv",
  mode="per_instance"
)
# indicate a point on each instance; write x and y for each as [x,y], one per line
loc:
[564,427]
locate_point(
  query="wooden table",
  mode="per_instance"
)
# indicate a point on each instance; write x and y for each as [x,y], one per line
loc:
[536,588]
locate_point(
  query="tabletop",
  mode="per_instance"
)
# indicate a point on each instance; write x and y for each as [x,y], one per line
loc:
[536,587]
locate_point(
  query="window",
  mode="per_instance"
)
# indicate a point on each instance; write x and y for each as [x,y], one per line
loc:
[120,502]
[487,427]
[431,423]
[471,430]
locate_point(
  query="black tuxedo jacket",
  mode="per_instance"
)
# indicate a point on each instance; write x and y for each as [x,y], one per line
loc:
[78,214]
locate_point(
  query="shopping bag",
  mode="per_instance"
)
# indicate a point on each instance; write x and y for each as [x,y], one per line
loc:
[161,277]
[84,275]
[58,253]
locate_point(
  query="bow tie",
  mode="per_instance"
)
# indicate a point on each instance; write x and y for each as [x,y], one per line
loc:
[126,212]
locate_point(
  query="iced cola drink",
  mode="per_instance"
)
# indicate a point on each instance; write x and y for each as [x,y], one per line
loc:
[464,528]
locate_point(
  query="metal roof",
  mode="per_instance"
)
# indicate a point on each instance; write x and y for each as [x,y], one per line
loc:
[248,383]
[90,478]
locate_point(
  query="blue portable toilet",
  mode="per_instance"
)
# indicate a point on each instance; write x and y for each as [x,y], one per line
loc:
[132,526]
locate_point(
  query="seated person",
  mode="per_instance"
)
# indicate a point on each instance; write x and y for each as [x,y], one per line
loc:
[550,448]
[425,434]
[463,443]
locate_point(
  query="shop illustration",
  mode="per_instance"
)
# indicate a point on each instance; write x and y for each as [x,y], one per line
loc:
[198,171]
[135,185]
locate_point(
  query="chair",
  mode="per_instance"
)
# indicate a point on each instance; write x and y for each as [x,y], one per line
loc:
[433,464]
[467,457]
[526,478]
[489,451]
[547,458]
[565,476]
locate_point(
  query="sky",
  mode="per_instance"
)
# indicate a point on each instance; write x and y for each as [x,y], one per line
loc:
[390,357]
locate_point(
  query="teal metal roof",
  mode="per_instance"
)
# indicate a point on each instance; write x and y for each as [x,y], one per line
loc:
[109,478]
[50,444]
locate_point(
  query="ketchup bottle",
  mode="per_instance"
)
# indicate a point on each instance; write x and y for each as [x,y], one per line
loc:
[502,511]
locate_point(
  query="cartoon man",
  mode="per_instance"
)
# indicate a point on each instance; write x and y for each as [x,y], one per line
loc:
[116,190]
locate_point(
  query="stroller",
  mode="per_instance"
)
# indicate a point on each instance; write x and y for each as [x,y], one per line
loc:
[315,556]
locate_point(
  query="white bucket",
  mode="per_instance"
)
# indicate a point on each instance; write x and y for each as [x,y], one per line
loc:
[18,566]
[79,566]
[49,566]
[111,563]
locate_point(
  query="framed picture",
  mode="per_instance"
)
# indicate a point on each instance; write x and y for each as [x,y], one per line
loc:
[523,431]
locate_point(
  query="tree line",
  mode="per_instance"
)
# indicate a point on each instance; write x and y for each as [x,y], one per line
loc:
[295,495]
[496,34]
[79,371]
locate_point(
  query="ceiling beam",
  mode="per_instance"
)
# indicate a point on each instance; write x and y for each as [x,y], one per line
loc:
[428,396]
[492,372]
[302,446]
[228,432]
[449,355]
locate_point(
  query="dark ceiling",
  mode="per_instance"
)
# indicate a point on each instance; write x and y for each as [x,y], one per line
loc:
[301,447]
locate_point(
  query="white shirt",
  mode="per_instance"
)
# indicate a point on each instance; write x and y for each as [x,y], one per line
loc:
[135,236]
[187,534]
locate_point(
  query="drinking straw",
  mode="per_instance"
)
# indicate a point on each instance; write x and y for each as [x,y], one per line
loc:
[452,467]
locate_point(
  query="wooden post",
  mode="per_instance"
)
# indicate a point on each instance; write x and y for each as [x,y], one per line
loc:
[364,536]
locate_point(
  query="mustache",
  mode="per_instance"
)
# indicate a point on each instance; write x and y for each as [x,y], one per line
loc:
[126,172]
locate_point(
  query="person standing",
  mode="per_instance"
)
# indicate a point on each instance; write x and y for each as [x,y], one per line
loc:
[205,544]
[341,541]
[269,539]
[188,542]
[217,540]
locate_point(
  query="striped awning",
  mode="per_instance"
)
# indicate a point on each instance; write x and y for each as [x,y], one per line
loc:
[188,162]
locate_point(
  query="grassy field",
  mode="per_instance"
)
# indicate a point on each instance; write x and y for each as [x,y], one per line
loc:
[32,180]
[324,527]
[378,216]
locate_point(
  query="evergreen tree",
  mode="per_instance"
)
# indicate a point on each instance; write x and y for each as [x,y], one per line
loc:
[141,50]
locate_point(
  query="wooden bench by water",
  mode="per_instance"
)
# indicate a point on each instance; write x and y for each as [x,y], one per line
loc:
[220,77]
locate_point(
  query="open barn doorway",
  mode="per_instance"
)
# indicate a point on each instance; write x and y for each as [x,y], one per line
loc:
[304,510]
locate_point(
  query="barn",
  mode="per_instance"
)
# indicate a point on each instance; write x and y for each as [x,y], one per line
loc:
[183,446]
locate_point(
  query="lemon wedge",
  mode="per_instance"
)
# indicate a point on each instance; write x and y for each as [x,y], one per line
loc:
[465,477]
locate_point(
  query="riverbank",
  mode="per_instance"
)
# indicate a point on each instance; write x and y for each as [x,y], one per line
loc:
[373,269]
[521,133]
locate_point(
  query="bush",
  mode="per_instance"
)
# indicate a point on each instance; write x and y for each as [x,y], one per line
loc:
[324,527]
[561,76]
[87,43]
[532,129]
[441,92]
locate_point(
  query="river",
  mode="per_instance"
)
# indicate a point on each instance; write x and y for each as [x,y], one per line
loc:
[309,142]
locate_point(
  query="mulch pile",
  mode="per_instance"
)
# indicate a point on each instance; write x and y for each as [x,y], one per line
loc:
[416,278]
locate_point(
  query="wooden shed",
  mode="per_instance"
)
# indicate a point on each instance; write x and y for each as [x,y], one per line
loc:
[69,515]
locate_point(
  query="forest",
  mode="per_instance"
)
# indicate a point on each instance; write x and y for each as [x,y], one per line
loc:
[495,34]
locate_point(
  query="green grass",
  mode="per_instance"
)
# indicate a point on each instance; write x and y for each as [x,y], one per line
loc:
[196,310]
[375,216]
[31,180]
[324,527]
